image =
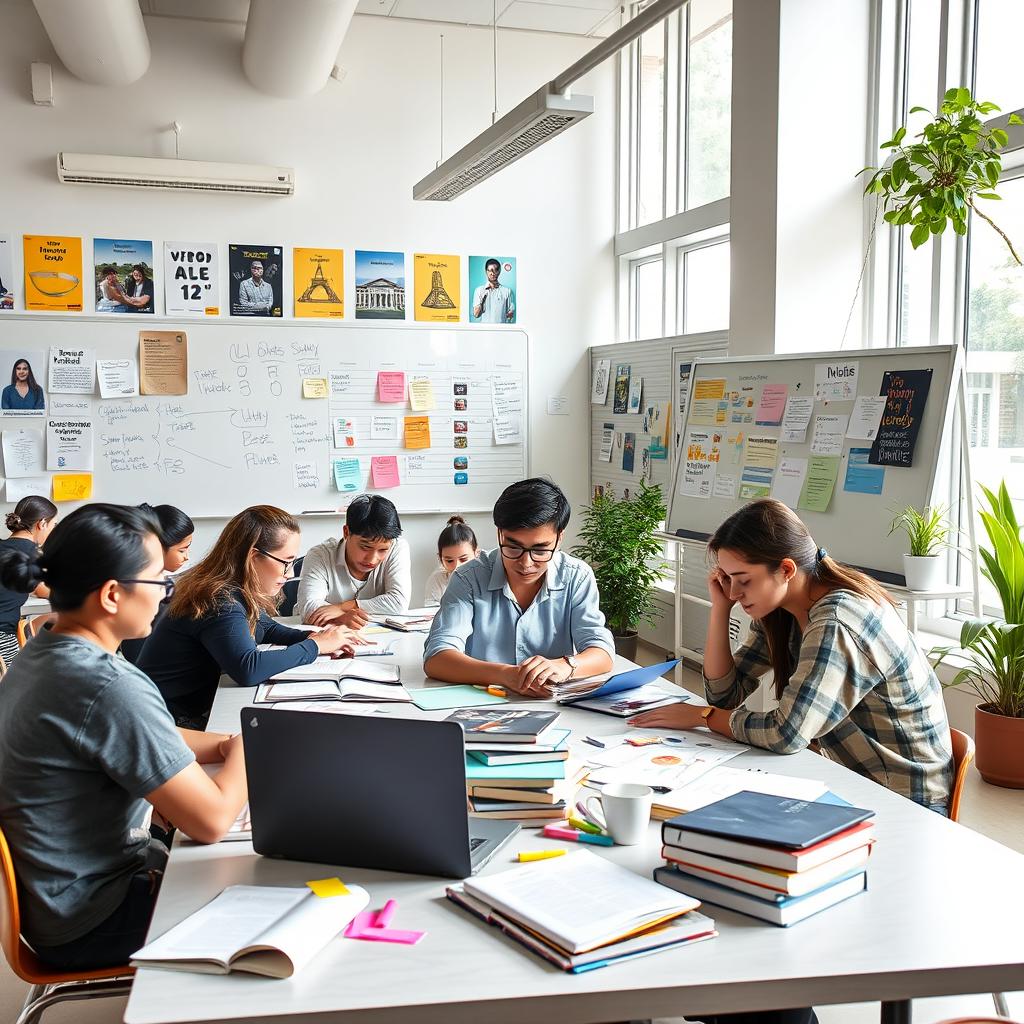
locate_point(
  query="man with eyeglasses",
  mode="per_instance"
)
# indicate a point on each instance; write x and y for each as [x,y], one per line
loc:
[525,615]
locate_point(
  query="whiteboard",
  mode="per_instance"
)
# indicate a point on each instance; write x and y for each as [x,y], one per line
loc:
[855,526]
[238,436]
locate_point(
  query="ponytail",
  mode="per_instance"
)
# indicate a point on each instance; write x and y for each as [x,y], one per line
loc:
[175,526]
[30,510]
[458,531]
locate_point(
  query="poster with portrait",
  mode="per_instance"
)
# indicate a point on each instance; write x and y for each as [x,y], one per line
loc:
[22,382]
[492,289]
[6,275]
[255,280]
[191,279]
[380,285]
[437,284]
[123,272]
[318,282]
[53,273]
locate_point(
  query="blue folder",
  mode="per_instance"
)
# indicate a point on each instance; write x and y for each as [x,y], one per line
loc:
[625,681]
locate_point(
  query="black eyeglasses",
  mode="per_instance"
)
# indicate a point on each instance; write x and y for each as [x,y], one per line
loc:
[514,552]
[286,563]
[166,583]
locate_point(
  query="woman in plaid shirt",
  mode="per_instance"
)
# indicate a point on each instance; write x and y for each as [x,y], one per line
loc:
[847,671]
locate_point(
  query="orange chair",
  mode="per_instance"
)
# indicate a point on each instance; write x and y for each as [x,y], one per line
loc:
[963,755]
[48,986]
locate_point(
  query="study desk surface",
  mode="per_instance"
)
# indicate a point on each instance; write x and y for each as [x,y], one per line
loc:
[941,916]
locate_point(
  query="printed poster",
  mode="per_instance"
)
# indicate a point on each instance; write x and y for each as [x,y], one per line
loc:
[191,279]
[861,476]
[636,390]
[492,290]
[906,394]
[599,383]
[380,286]
[6,274]
[836,382]
[628,452]
[755,482]
[761,451]
[701,459]
[53,273]
[607,442]
[620,401]
[123,276]
[23,376]
[318,282]
[437,287]
[255,280]
[72,370]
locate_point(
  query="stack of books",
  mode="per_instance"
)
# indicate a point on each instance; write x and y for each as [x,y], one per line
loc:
[517,764]
[775,858]
[581,912]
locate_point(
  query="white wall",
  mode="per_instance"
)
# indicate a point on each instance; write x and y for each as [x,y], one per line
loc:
[357,148]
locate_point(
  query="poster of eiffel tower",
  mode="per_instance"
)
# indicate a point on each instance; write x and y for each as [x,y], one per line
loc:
[436,280]
[317,276]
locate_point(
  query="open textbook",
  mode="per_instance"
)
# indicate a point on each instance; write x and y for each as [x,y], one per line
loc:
[265,930]
[335,679]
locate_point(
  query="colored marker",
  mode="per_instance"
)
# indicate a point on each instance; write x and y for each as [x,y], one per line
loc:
[385,914]
[584,826]
[497,691]
[576,837]
[531,855]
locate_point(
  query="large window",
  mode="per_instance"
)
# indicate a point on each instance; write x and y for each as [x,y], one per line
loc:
[703,292]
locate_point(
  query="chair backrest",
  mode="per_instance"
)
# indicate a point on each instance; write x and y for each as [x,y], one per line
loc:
[290,591]
[10,920]
[963,755]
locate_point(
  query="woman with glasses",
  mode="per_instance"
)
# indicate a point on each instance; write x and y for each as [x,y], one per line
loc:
[87,745]
[220,614]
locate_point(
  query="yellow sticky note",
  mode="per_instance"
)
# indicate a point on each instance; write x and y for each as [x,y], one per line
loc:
[421,394]
[417,432]
[72,486]
[314,387]
[327,887]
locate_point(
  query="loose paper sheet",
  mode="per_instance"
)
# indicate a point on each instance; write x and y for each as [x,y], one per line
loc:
[23,454]
[119,378]
[421,394]
[72,370]
[163,362]
[507,408]
[69,444]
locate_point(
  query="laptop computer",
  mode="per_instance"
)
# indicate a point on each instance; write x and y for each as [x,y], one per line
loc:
[364,791]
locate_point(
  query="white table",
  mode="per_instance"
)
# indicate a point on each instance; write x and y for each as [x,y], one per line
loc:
[942,916]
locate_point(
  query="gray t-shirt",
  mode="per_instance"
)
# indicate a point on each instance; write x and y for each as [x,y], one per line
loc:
[84,736]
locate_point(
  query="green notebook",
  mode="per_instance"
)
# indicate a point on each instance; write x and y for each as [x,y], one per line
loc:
[441,698]
[539,770]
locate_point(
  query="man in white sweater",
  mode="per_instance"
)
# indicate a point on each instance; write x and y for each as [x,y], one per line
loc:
[366,573]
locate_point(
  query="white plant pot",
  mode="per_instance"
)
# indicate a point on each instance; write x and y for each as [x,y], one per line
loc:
[924,572]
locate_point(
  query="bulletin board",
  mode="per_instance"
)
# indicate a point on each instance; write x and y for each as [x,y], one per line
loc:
[741,439]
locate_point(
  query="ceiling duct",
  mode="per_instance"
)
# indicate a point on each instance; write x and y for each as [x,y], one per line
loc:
[545,114]
[291,48]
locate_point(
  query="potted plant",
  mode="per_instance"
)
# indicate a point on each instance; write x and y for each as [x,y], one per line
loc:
[994,650]
[617,540]
[927,532]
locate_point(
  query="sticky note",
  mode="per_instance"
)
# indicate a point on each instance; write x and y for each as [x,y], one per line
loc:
[390,386]
[348,476]
[417,432]
[421,394]
[441,698]
[327,887]
[314,387]
[384,471]
[71,487]
[344,432]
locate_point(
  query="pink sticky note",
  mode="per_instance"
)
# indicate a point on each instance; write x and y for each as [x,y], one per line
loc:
[390,386]
[403,938]
[360,923]
[384,470]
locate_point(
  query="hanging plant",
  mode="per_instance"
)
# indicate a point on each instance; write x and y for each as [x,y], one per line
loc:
[934,182]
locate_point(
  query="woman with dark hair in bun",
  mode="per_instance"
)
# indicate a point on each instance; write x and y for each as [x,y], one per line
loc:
[86,743]
[30,524]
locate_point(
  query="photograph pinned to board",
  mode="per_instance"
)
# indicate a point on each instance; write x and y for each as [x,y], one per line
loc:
[437,285]
[636,392]
[820,482]
[24,395]
[72,370]
[123,275]
[191,279]
[119,378]
[53,273]
[6,275]
[628,452]
[836,381]
[23,453]
[861,476]
[380,285]
[607,442]
[620,402]
[318,282]
[163,363]
[492,289]
[255,280]
[599,382]
[906,394]
[69,444]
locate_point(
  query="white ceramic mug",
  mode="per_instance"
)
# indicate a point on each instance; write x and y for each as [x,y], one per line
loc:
[627,811]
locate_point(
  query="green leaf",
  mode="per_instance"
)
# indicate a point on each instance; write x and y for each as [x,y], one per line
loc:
[1014,119]
[919,110]
[919,235]
[900,134]
[950,94]
[963,96]
[1000,137]
[989,195]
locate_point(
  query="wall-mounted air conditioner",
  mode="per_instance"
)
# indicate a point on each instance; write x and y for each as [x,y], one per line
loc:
[186,175]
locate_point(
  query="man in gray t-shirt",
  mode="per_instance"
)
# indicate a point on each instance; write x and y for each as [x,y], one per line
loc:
[84,737]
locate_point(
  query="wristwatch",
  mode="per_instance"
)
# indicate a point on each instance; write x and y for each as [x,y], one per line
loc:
[570,660]
[707,712]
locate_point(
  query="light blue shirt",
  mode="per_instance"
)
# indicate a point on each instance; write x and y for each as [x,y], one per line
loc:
[480,616]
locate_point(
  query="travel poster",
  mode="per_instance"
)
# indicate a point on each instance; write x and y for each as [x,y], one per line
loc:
[191,279]
[436,285]
[53,273]
[492,289]
[620,401]
[6,275]
[123,275]
[22,379]
[318,282]
[906,393]
[380,286]
[255,280]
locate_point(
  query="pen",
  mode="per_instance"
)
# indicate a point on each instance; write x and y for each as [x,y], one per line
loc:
[593,741]
[530,855]
[584,826]
[555,832]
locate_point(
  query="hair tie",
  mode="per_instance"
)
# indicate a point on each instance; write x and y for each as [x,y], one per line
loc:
[822,554]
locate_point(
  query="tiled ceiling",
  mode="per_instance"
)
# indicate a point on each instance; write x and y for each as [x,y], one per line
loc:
[575,17]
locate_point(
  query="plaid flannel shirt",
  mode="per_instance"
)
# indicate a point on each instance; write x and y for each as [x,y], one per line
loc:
[861,687]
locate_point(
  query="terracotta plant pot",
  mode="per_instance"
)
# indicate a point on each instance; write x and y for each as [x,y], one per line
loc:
[1000,744]
[625,644]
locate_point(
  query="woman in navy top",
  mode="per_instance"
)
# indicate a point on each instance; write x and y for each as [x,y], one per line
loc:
[23,392]
[221,612]
[30,524]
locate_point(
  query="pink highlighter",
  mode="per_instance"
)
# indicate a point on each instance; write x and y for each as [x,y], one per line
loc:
[575,836]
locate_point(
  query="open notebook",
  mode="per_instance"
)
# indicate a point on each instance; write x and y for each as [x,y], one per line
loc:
[336,679]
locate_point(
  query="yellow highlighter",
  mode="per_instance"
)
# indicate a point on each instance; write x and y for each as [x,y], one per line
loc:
[584,826]
[531,855]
